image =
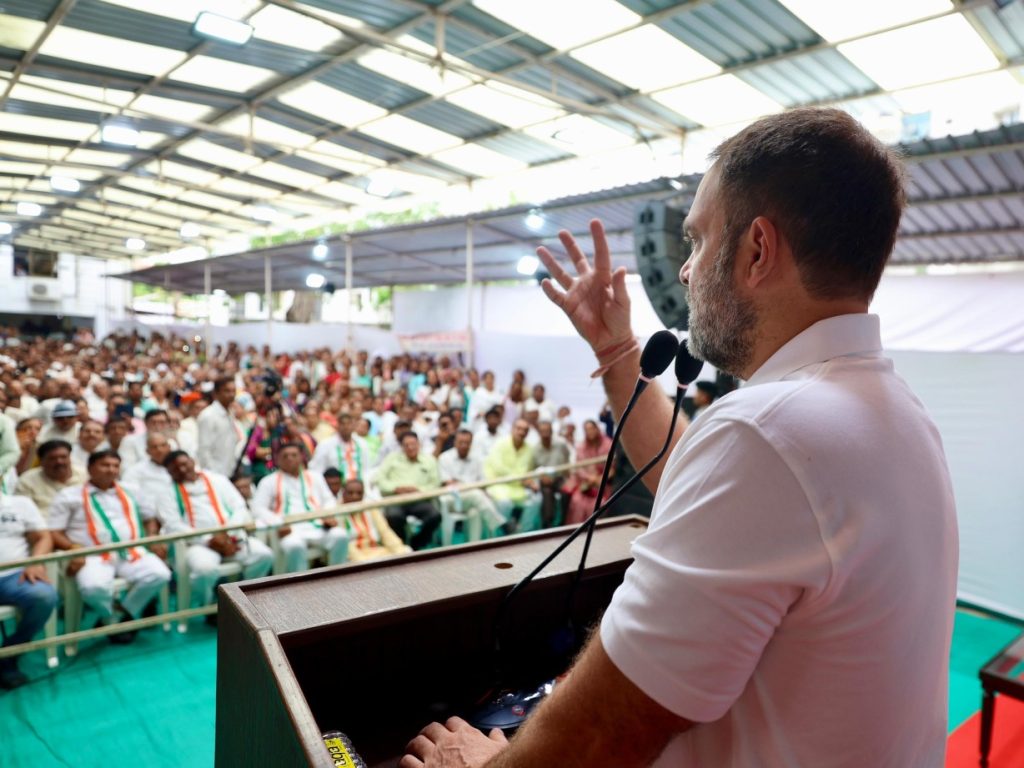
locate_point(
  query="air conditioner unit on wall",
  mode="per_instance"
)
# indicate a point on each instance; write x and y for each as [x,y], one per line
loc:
[43,288]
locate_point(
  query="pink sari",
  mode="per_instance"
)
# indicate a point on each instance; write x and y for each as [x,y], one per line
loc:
[581,503]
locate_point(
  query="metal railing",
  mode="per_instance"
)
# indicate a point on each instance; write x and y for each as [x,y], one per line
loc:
[250,527]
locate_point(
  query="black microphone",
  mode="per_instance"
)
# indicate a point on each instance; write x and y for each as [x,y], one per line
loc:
[657,354]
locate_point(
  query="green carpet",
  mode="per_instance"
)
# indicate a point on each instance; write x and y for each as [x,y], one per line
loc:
[149,704]
[152,704]
[976,639]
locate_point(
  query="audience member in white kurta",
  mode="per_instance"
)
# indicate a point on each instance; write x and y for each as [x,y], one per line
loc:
[192,404]
[369,534]
[461,465]
[490,432]
[221,435]
[345,452]
[482,400]
[133,448]
[148,479]
[102,511]
[23,533]
[546,410]
[54,473]
[114,432]
[292,490]
[193,500]
[63,423]
[90,438]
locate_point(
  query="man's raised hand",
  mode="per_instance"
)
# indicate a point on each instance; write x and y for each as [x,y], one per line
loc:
[595,300]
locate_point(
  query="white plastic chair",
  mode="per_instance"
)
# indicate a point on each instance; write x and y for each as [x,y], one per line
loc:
[8,612]
[313,551]
[183,579]
[451,514]
[73,606]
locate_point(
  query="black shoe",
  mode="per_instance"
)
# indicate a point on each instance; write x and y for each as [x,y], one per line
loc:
[11,678]
[122,638]
[211,620]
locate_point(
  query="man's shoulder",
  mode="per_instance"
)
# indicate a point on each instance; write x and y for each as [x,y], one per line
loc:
[31,476]
[23,506]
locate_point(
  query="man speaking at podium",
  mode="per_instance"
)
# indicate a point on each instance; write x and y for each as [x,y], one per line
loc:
[791,603]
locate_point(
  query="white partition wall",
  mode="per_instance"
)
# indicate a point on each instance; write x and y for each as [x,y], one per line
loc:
[976,401]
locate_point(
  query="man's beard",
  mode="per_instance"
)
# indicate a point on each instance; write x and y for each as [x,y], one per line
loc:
[722,322]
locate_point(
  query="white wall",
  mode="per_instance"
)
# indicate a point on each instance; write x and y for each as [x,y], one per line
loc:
[975,400]
[85,290]
[522,309]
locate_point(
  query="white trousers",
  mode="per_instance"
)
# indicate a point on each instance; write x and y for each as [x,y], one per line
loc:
[480,510]
[295,545]
[253,555]
[145,576]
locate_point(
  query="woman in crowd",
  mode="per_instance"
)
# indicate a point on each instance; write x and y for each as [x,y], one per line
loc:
[585,481]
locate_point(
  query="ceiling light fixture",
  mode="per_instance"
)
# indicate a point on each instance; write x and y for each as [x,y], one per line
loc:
[123,135]
[64,184]
[320,251]
[535,220]
[222,28]
[527,266]
[189,230]
[264,213]
[135,244]
[5,228]
[315,280]
[379,188]
[29,209]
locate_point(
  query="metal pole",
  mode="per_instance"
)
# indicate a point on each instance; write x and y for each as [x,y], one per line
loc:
[348,293]
[268,285]
[469,293]
[207,289]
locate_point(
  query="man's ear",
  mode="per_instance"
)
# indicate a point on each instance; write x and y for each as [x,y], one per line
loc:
[759,252]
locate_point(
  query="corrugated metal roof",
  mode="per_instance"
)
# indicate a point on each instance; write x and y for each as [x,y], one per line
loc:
[382,15]
[129,24]
[525,148]
[497,29]
[473,45]
[29,9]
[1005,26]
[812,77]
[369,86]
[761,37]
[731,32]
[452,119]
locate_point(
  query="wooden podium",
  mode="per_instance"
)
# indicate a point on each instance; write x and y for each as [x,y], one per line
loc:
[380,649]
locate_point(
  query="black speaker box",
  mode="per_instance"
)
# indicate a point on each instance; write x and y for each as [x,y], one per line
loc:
[660,253]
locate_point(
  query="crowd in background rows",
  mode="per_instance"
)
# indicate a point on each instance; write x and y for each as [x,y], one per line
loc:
[111,441]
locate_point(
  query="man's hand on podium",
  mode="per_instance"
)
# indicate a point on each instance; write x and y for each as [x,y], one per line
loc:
[456,744]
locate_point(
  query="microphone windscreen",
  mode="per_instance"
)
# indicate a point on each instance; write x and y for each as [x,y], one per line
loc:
[687,366]
[658,354]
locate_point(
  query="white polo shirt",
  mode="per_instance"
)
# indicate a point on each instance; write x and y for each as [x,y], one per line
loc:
[794,592]
[18,516]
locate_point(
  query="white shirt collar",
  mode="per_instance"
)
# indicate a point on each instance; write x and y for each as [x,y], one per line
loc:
[832,337]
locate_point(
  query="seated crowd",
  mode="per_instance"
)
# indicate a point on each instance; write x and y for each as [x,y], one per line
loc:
[113,441]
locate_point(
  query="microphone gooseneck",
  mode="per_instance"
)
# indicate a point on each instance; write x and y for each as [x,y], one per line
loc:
[658,353]
[687,367]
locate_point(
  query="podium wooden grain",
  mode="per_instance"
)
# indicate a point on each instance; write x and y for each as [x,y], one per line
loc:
[379,649]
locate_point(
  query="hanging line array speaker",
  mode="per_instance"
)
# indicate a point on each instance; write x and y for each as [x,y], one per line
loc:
[660,253]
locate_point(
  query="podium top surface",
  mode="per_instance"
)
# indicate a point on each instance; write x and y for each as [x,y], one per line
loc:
[301,602]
